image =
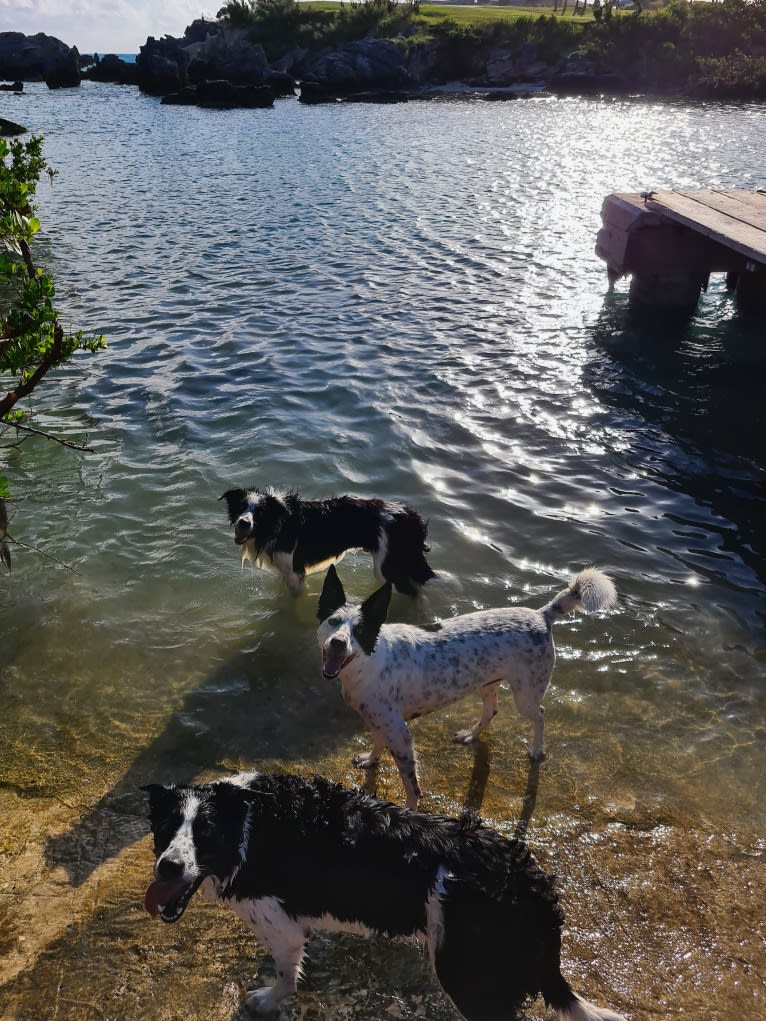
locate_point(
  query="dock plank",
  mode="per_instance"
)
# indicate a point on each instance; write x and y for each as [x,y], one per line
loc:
[741,237]
[735,206]
[754,199]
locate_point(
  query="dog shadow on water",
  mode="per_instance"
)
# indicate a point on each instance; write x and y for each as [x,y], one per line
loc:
[246,714]
[477,786]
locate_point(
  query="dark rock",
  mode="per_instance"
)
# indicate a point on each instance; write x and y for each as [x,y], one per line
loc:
[229,54]
[161,66]
[200,30]
[216,93]
[221,95]
[578,63]
[280,82]
[502,67]
[12,87]
[111,68]
[312,93]
[361,66]
[500,96]
[420,61]
[10,128]
[209,51]
[291,61]
[65,72]
[186,97]
[254,96]
[377,97]
[573,84]
[38,58]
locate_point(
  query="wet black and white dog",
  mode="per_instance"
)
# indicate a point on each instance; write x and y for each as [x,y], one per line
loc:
[392,673]
[291,856]
[295,537]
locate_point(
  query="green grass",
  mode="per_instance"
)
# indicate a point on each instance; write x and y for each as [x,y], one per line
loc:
[474,14]
[478,15]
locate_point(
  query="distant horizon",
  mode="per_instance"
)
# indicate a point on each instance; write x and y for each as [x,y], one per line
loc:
[122,28]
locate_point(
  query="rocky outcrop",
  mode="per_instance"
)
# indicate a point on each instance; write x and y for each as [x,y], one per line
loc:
[12,86]
[38,58]
[585,83]
[421,60]
[361,66]
[65,71]
[221,95]
[10,128]
[208,51]
[111,68]
[510,67]
[312,94]
[186,96]
[161,66]
[227,54]
[280,82]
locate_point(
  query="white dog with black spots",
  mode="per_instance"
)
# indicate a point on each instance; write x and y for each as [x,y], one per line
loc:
[393,673]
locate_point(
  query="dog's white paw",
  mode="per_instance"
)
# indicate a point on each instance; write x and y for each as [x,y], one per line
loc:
[368,761]
[262,1001]
[464,737]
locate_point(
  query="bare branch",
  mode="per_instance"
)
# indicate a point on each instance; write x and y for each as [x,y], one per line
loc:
[36,549]
[26,254]
[56,439]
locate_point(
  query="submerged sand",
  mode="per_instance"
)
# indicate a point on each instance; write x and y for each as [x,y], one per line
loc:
[664,914]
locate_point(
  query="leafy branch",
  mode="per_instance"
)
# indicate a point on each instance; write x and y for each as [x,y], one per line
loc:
[32,339]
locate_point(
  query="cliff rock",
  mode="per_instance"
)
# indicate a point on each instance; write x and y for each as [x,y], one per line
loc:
[38,58]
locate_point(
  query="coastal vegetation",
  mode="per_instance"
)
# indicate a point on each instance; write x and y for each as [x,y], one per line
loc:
[32,340]
[691,48]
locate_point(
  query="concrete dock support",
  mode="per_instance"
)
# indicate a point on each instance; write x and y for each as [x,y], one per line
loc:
[669,292]
[670,243]
[751,292]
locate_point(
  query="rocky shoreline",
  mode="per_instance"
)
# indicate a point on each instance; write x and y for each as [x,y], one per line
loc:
[215,64]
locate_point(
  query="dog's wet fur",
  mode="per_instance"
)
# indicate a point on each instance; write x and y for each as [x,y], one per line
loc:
[281,531]
[392,673]
[291,856]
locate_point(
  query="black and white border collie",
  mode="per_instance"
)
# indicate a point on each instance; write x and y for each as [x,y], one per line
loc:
[392,673]
[282,532]
[291,856]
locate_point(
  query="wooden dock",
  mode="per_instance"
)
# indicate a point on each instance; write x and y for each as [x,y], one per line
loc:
[670,242]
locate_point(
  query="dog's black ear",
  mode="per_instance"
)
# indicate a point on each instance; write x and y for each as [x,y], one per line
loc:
[162,799]
[332,597]
[374,611]
[234,499]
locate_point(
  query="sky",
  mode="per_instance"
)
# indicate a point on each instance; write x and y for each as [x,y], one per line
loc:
[106,26]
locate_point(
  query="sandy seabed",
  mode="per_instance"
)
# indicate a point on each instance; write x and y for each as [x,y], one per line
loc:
[664,919]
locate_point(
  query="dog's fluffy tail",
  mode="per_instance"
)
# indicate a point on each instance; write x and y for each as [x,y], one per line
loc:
[558,994]
[590,590]
[581,1010]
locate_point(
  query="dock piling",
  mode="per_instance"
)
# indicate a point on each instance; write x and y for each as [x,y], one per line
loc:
[670,242]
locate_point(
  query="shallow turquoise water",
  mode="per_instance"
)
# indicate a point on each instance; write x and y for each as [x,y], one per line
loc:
[399,301]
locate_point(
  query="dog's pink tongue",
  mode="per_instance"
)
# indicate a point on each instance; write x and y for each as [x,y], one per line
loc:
[161,893]
[332,664]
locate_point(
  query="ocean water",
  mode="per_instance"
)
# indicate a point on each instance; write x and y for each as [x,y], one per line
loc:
[400,301]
